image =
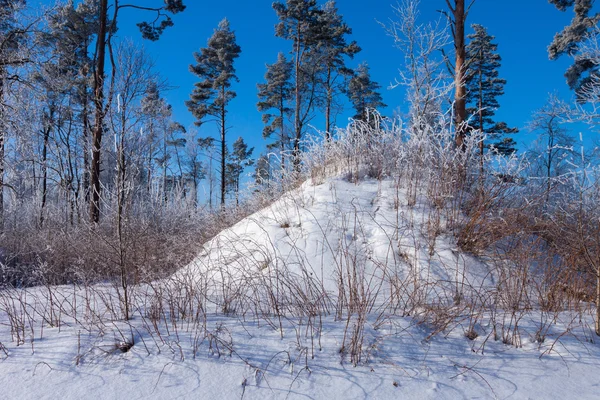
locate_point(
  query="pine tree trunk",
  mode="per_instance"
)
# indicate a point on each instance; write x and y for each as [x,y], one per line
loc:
[211,179]
[598,301]
[45,170]
[2,144]
[164,160]
[481,147]
[460,111]
[2,141]
[223,148]
[86,147]
[297,125]
[99,104]
[282,136]
[2,133]
[329,100]
[150,152]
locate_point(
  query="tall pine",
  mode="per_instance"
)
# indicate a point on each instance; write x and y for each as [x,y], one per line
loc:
[212,94]
[364,93]
[584,71]
[239,159]
[275,94]
[333,50]
[484,86]
[457,17]
[299,22]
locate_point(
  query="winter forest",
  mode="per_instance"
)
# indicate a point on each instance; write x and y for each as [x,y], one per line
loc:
[400,222]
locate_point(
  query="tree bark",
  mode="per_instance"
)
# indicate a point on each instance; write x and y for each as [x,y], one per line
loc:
[45,168]
[297,124]
[99,105]
[282,136]
[2,140]
[223,149]
[328,105]
[598,302]
[460,106]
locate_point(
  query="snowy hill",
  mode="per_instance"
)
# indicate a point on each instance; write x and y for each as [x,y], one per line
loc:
[337,290]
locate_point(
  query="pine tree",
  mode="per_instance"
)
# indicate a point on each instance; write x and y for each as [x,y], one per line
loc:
[363,92]
[157,113]
[483,87]
[584,70]
[299,22]
[212,94]
[333,49]
[457,18]
[262,172]
[275,94]
[239,160]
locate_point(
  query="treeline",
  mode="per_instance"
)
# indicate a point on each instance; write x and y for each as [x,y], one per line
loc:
[86,122]
[88,140]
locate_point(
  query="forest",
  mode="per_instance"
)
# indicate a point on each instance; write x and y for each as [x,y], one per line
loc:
[117,217]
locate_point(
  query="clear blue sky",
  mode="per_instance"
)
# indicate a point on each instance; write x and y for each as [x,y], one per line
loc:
[523,30]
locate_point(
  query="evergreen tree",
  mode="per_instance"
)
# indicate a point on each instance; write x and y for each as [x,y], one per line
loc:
[207,148]
[484,86]
[584,70]
[262,172]
[363,92]
[239,160]
[333,49]
[212,94]
[275,94]
[299,22]
[457,18]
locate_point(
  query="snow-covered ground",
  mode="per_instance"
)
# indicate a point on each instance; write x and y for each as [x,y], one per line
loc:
[337,290]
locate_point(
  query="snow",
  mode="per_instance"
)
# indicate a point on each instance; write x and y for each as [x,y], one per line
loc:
[305,252]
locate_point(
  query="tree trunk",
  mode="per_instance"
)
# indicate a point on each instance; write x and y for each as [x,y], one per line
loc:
[329,100]
[297,124]
[2,133]
[86,129]
[2,140]
[211,179]
[99,104]
[460,106]
[164,160]
[481,146]
[282,136]
[45,169]
[223,149]
[86,148]
[598,301]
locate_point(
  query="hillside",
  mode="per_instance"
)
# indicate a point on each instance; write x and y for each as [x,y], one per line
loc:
[336,290]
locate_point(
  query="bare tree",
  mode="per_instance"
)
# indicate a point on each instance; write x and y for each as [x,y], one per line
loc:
[423,73]
[151,31]
[554,144]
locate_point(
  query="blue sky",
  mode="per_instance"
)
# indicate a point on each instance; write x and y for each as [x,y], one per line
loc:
[523,30]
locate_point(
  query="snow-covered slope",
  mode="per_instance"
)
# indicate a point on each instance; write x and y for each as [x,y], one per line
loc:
[337,290]
[333,236]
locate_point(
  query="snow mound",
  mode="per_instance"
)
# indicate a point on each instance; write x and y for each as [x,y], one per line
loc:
[333,238]
[337,290]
